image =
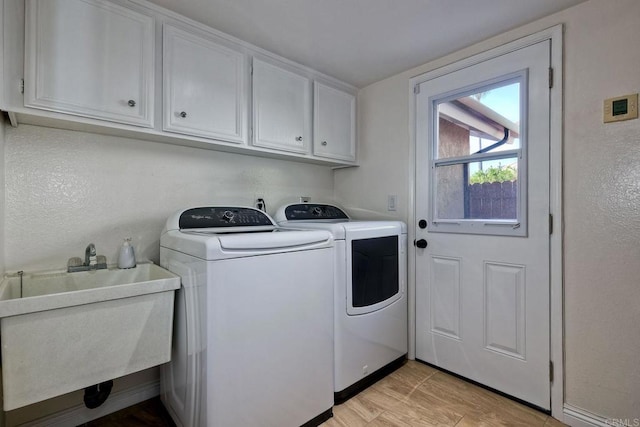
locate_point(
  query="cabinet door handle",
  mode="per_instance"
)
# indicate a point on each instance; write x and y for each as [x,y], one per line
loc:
[298,138]
[324,142]
[183,114]
[131,103]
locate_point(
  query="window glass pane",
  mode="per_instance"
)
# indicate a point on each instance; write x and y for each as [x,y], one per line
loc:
[477,190]
[479,122]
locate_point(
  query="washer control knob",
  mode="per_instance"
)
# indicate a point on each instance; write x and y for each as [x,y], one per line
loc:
[317,211]
[227,216]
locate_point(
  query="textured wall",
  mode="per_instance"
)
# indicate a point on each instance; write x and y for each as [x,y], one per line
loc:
[383,151]
[602,211]
[65,189]
[601,193]
[453,142]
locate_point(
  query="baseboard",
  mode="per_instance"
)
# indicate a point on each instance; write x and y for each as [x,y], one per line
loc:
[80,414]
[577,417]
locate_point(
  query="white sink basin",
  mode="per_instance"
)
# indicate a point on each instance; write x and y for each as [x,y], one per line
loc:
[62,332]
[49,290]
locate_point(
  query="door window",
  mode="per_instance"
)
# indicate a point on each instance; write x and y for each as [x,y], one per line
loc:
[478,170]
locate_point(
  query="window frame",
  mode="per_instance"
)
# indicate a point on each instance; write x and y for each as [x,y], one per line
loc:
[501,227]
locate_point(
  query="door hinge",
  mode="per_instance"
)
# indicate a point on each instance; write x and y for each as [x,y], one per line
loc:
[550,371]
[550,224]
[21,85]
[550,77]
[416,89]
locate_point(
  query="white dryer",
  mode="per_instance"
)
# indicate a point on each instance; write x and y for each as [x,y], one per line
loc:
[370,305]
[253,339]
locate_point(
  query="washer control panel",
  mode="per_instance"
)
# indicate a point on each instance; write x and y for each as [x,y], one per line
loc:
[313,211]
[223,216]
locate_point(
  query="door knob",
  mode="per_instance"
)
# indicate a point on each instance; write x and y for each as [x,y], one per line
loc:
[131,103]
[420,243]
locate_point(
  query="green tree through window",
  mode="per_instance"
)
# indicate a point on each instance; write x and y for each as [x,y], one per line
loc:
[494,174]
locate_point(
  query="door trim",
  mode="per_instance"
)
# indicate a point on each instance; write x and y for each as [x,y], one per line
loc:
[554,34]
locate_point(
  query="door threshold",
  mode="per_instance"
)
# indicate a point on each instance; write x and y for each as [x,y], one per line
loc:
[486,387]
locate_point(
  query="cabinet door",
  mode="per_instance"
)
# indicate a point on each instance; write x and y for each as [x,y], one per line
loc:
[203,87]
[334,123]
[281,108]
[90,58]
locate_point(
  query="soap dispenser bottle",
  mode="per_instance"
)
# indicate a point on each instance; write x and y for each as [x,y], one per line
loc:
[127,258]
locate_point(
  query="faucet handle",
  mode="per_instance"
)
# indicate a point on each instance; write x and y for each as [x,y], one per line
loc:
[74,262]
[101,262]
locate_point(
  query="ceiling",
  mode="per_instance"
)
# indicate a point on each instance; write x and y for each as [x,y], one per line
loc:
[363,41]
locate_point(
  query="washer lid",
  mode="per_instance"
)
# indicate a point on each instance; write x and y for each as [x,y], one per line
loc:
[279,239]
[224,232]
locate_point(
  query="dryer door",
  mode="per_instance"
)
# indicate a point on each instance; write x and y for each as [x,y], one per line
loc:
[377,265]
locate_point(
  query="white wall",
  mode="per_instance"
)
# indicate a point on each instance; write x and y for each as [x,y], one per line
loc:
[601,190]
[382,152]
[65,189]
[602,207]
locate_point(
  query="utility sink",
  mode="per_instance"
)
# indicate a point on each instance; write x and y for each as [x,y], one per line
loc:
[62,332]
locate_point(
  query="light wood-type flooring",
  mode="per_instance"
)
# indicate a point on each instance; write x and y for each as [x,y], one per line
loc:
[419,395]
[414,395]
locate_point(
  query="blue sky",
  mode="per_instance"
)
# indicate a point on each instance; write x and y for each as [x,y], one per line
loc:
[504,100]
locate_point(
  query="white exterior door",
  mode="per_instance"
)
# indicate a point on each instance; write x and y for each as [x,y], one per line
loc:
[482,209]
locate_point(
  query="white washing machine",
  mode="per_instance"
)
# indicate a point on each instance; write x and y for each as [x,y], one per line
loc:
[253,338]
[370,311]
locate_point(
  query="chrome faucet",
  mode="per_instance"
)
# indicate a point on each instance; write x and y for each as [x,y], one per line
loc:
[90,255]
[91,261]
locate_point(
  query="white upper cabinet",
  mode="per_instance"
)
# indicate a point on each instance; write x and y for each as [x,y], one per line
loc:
[334,123]
[204,87]
[281,108]
[90,58]
[93,64]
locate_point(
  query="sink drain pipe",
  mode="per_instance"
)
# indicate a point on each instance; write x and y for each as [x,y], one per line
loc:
[96,395]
